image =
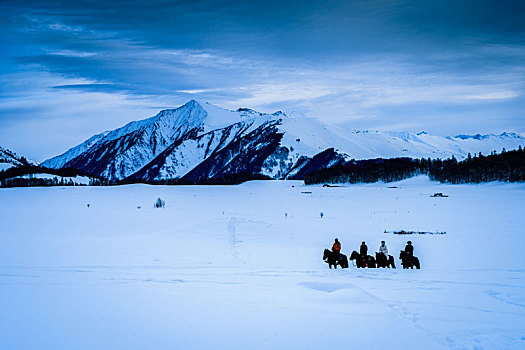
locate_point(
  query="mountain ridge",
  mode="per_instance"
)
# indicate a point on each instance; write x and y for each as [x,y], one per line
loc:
[199,142]
[10,159]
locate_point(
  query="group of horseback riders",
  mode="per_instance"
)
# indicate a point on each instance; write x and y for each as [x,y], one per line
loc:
[362,258]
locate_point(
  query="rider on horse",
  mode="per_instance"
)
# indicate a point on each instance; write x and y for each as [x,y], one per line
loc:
[409,250]
[383,249]
[336,249]
[363,250]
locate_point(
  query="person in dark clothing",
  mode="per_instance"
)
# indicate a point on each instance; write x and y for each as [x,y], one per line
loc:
[363,250]
[336,249]
[409,250]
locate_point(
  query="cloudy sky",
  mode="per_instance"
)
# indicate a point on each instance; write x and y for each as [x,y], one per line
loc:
[69,69]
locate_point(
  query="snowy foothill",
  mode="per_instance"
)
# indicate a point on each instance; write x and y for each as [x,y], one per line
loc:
[240,267]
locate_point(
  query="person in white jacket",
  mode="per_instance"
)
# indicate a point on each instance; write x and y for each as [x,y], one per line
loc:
[383,249]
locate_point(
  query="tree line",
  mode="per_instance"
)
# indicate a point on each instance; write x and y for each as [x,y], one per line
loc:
[15,177]
[508,166]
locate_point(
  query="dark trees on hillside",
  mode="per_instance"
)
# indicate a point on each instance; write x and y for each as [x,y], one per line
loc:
[370,170]
[13,177]
[509,166]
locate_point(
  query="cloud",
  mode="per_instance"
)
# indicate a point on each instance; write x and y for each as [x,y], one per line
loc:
[495,95]
[71,53]
[92,87]
[392,63]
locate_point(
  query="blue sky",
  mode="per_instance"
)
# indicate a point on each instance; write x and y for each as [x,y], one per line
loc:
[69,69]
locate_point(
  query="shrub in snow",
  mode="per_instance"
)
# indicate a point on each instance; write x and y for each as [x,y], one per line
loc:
[160,203]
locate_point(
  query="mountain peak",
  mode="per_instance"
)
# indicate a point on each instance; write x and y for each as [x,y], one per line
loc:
[192,103]
[247,111]
[511,135]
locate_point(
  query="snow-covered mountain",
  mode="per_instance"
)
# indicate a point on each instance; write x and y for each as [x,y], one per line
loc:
[201,142]
[405,144]
[9,159]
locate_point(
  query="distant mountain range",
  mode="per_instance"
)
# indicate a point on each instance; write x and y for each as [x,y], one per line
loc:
[200,142]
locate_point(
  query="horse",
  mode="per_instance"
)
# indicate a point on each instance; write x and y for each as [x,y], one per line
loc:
[382,261]
[408,262]
[369,261]
[359,261]
[330,258]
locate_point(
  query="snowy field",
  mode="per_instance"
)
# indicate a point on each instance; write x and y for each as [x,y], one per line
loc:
[240,267]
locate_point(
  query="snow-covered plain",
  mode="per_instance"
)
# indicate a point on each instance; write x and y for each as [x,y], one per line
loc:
[239,267]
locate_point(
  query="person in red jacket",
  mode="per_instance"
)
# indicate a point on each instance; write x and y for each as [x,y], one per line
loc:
[336,249]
